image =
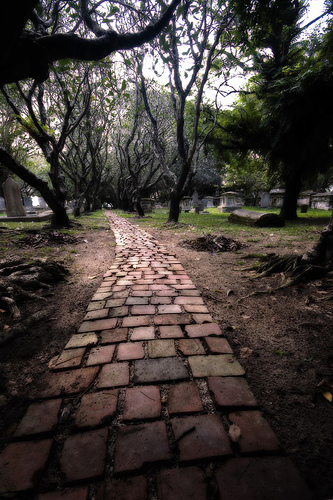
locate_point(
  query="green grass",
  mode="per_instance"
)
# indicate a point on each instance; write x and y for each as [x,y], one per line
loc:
[308,225]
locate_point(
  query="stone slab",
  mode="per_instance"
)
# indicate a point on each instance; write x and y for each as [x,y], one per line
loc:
[96,409]
[230,391]
[142,403]
[184,398]
[257,434]
[97,325]
[143,333]
[69,382]
[40,418]
[21,465]
[82,340]
[218,345]
[101,355]
[83,455]
[130,350]
[191,347]
[224,365]
[161,348]
[114,336]
[69,358]
[138,446]
[203,330]
[132,488]
[159,370]
[187,483]
[113,375]
[200,437]
[274,478]
[171,332]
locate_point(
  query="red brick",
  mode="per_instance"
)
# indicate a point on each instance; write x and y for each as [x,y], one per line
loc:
[71,382]
[140,287]
[160,300]
[189,293]
[202,318]
[101,355]
[82,340]
[132,301]
[172,319]
[159,370]
[132,321]
[72,494]
[114,336]
[230,391]
[203,330]
[257,434]
[118,312]
[142,402]
[184,398]
[184,287]
[83,455]
[187,483]
[115,302]
[275,478]
[161,348]
[121,294]
[96,408]
[143,333]
[195,308]
[169,309]
[166,293]
[97,314]
[114,375]
[40,418]
[188,300]
[200,437]
[102,295]
[191,347]
[159,287]
[140,445]
[133,488]
[218,345]
[22,464]
[141,293]
[97,325]
[92,306]
[171,332]
[143,310]
[69,358]
[130,350]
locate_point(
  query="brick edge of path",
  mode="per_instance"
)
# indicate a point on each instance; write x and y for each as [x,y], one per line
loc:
[146,401]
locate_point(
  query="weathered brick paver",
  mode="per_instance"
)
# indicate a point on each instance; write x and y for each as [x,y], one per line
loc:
[140,403]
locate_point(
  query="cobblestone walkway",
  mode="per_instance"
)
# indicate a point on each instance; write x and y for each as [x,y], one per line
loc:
[146,401]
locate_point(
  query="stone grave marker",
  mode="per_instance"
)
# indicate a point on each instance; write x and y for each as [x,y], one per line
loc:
[12,192]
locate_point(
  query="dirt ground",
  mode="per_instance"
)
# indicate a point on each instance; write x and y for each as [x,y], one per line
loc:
[283,339]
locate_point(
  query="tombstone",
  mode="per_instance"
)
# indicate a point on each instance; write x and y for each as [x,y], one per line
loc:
[147,205]
[186,203]
[322,201]
[27,201]
[265,200]
[197,204]
[2,204]
[12,192]
[277,197]
[210,201]
[42,202]
[230,201]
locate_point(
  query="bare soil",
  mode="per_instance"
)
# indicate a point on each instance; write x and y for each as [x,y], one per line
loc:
[282,338]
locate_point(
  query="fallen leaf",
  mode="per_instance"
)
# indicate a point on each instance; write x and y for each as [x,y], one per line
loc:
[2,311]
[246,317]
[328,395]
[218,291]
[91,277]
[234,433]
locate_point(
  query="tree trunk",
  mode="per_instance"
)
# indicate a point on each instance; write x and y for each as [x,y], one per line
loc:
[293,188]
[322,252]
[174,208]
[139,208]
[60,217]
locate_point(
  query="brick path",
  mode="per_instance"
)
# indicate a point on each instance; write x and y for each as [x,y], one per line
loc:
[146,401]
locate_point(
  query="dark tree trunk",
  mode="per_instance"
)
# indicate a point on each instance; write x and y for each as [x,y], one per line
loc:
[322,252]
[60,216]
[174,208]
[139,208]
[293,188]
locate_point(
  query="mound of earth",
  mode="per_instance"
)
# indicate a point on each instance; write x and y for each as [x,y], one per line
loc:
[213,243]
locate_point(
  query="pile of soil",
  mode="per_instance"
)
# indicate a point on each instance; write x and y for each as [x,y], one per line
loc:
[41,238]
[213,243]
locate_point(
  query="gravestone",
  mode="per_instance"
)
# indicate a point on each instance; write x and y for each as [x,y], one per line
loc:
[197,204]
[230,201]
[27,202]
[265,200]
[42,202]
[12,192]
[186,203]
[210,201]
[2,204]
